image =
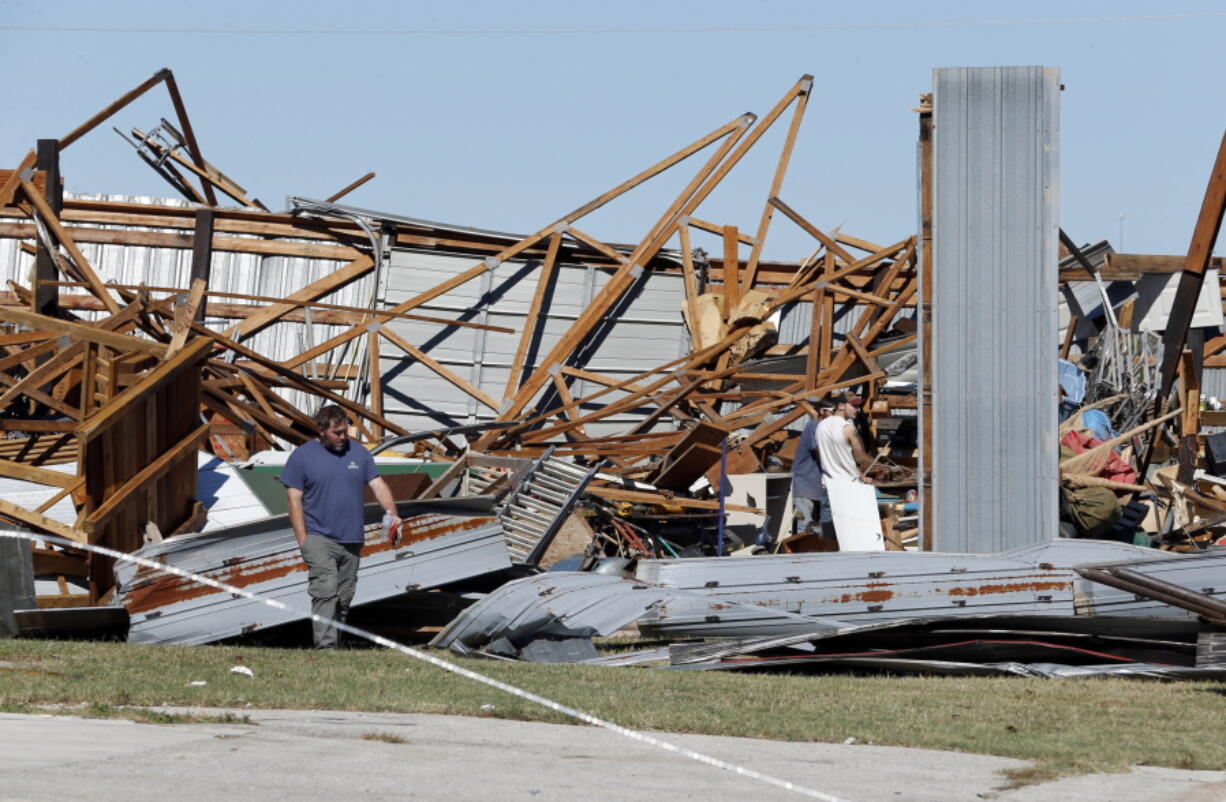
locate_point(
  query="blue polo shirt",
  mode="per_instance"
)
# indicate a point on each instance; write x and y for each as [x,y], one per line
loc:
[333,486]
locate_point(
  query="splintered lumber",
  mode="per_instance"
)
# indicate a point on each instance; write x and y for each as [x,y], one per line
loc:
[645,497]
[699,188]
[132,387]
[527,242]
[51,220]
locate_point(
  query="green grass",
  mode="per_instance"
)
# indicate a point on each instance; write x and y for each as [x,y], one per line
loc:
[1064,726]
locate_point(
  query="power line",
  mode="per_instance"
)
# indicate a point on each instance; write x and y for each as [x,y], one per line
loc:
[601,31]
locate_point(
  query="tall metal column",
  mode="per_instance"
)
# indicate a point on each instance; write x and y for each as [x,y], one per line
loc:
[994,294]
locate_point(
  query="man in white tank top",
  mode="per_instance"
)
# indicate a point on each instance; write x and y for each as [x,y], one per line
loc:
[838,444]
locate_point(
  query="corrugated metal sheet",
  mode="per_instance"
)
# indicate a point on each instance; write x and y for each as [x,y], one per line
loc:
[995,393]
[648,331]
[1201,573]
[761,596]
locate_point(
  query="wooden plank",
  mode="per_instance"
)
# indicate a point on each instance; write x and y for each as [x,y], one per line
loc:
[781,168]
[45,265]
[12,182]
[831,244]
[826,342]
[192,146]
[202,255]
[57,562]
[123,100]
[41,522]
[115,500]
[335,196]
[732,275]
[1191,279]
[568,406]
[29,473]
[596,245]
[81,331]
[543,280]
[642,497]
[817,323]
[1132,266]
[162,239]
[185,314]
[862,354]
[713,228]
[691,283]
[19,425]
[348,314]
[51,220]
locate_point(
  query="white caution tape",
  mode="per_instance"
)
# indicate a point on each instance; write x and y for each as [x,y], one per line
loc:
[443,664]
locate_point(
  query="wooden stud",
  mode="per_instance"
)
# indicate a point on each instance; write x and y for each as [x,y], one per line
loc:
[534,312]
[732,267]
[781,168]
[51,220]
[334,197]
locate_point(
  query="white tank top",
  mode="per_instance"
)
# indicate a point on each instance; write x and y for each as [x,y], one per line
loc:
[834,450]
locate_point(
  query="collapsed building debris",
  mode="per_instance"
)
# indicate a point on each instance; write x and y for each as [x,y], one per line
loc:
[623,408]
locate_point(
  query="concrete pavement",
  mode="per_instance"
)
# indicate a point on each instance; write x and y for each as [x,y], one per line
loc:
[317,755]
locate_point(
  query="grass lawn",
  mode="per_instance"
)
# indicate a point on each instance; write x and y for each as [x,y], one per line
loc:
[1065,726]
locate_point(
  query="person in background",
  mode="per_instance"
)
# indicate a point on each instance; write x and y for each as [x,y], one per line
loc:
[840,449]
[809,501]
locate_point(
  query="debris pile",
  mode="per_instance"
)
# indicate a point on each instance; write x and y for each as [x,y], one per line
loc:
[141,338]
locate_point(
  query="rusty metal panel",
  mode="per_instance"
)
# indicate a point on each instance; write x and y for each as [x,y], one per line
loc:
[436,548]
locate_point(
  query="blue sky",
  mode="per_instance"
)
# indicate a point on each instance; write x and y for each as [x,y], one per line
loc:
[511,130]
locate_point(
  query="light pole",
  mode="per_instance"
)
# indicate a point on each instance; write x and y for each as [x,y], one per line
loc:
[1121,217]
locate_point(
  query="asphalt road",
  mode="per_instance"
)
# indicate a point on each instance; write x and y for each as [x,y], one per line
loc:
[318,755]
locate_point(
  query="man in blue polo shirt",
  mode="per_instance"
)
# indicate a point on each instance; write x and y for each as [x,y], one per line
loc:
[325,481]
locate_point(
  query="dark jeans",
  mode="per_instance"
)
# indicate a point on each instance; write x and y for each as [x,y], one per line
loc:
[333,578]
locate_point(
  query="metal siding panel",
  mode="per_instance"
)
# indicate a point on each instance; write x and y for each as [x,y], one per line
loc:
[648,332]
[995,319]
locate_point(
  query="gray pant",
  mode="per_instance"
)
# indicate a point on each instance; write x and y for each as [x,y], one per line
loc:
[333,578]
